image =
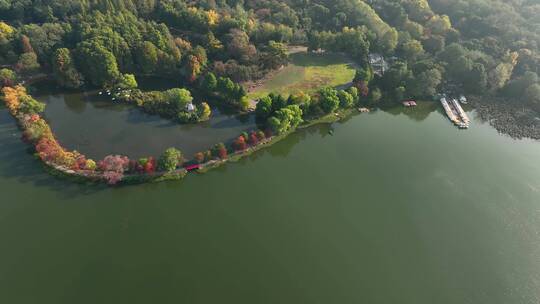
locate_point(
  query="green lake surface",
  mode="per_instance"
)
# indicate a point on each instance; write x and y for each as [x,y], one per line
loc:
[97,126]
[395,207]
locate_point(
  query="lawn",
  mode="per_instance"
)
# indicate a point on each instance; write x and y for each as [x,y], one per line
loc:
[307,72]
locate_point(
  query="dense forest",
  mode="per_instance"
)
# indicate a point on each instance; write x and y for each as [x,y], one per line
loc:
[485,47]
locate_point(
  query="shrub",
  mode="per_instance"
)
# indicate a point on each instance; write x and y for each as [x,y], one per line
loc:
[261,135]
[253,139]
[116,163]
[150,166]
[90,165]
[35,129]
[49,150]
[244,103]
[268,133]
[112,177]
[208,155]
[220,151]
[29,105]
[240,144]
[199,157]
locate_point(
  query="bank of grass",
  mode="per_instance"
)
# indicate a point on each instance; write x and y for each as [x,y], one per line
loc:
[307,72]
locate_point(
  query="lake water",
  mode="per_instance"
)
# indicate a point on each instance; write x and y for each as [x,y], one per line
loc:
[392,208]
[95,125]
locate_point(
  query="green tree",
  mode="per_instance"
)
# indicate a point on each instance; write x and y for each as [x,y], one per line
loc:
[64,69]
[354,93]
[146,57]
[375,96]
[476,80]
[412,50]
[346,100]
[519,85]
[244,103]
[499,76]
[264,107]
[425,84]
[29,105]
[532,95]
[127,81]
[210,82]
[178,99]
[27,63]
[363,74]
[329,100]
[285,119]
[7,78]
[439,25]
[275,125]
[354,42]
[278,101]
[302,99]
[396,76]
[389,41]
[434,44]
[98,64]
[45,38]
[170,159]
[415,29]
[275,55]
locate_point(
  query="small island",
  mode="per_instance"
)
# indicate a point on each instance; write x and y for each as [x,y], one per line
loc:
[285,64]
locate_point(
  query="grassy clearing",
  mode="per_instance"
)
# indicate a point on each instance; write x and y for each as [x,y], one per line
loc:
[307,72]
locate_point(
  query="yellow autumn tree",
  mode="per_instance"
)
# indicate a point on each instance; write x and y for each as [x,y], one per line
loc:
[11,96]
[5,30]
[205,111]
[499,76]
[213,17]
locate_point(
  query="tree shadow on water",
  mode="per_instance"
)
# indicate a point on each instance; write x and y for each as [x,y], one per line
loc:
[418,113]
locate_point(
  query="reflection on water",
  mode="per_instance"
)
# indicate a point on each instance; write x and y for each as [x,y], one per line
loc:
[96,126]
[418,113]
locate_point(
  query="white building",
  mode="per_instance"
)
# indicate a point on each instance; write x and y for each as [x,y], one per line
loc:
[378,63]
[190,107]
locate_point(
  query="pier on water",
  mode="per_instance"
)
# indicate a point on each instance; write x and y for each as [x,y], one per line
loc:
[455,113]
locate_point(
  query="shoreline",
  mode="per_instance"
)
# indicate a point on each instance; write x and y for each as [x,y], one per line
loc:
[85,175]
[498,114]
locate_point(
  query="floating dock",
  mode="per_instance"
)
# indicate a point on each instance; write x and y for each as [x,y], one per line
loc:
[455,113]
[460,111]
